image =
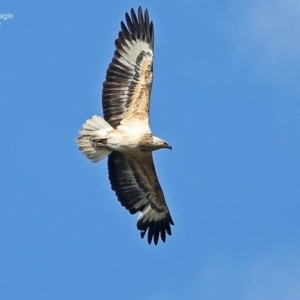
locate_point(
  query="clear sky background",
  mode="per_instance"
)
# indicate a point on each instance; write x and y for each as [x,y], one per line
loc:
[226,96]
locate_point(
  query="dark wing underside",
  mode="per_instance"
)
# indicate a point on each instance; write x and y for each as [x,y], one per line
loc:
[134,180]
[127,88]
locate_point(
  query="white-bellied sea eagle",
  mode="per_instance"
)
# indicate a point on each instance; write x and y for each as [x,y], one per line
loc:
[124,133]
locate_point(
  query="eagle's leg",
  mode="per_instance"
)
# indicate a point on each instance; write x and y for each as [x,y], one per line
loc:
[98,142]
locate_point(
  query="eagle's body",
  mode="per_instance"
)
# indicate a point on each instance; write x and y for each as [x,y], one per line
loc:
[124,134]
[127,139]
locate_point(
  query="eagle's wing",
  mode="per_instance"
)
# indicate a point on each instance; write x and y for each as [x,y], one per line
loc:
[134,180]
[127,88]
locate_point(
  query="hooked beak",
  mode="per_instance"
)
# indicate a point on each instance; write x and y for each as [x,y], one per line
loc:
[168,146]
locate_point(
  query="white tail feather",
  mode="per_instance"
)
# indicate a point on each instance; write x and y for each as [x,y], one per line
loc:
[92,129]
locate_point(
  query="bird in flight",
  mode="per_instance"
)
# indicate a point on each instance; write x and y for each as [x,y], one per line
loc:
[124,133]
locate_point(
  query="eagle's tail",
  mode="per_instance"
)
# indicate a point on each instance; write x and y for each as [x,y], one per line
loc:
[90,131]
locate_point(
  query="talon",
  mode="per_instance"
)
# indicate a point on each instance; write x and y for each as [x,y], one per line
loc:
[93,144]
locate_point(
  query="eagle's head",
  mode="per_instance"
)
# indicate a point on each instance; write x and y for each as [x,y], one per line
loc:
[159,143]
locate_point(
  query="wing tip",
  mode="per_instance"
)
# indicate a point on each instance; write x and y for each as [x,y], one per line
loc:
[156,230]
[139,26]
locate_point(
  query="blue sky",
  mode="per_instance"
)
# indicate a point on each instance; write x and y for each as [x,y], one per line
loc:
[225,96]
